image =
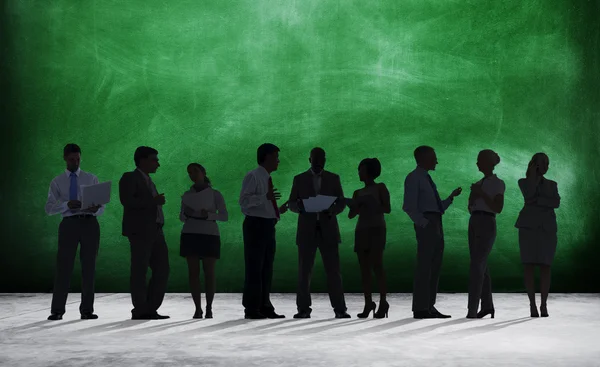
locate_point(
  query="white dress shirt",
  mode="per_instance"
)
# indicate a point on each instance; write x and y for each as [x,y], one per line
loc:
[492,186]
[215,206]
[253,196]
[419,197]
[58,194]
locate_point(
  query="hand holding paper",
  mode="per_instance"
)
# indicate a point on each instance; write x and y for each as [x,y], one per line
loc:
[319,203]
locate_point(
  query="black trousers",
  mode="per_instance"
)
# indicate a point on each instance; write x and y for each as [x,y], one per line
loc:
[482,234]
[430,251]
[259,255]
[148,251]
[331,262]
[73,231]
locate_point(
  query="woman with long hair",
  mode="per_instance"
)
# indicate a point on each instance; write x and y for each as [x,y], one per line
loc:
[201,207]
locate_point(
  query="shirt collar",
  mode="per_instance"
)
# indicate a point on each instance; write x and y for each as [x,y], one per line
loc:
[78,172]
[316,174]
[263,171]
[421,171]
[144,174]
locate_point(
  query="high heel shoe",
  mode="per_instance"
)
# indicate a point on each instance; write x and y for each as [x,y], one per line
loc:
[534,311]
[198,314]
[483,313]
[544,311]
[367,310]
[384,307]
[208,313]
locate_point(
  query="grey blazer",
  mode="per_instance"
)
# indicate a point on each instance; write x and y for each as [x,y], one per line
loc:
[541,213]
[139,208]
[303,188]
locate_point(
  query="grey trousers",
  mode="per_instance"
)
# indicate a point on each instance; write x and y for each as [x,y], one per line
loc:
[482,234]
[73,231]
[148,251]
[331,261]
[430,251]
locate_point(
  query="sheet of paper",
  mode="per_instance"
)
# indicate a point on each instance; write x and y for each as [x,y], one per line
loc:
[199,200]
[318,203]
[98,194]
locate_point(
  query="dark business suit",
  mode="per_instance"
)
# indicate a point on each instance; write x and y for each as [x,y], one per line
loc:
[142,226]
[318,231]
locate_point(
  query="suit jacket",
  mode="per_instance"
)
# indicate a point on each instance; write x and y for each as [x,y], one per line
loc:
[139,208]
[540,214]
[303,188]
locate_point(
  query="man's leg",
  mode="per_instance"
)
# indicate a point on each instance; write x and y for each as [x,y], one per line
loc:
[331,261]
[68,239]
[437,242]
[159,264]
[270,244]
[90,243]
[254,260]
[141,249]
[306,260]
[422,280]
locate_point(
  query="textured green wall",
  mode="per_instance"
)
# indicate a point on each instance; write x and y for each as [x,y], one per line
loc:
[209,81]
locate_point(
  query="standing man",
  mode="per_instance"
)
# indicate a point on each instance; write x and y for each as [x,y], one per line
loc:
[424,206]
[318,230]
[258,201]
[143,222]
[79,226]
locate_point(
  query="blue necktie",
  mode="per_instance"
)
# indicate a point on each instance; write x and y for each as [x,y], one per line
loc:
[437,195]
[73,188]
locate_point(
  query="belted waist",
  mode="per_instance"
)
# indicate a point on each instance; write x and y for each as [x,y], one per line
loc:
[80,216]
[432,213]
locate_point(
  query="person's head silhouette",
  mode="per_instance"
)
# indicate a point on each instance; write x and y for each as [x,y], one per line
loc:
[267,156]
[317,160]
[487,160]
[426,157]
[369,169]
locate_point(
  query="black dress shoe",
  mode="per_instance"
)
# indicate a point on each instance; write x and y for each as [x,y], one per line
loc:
[141,317]
[55,316]
[423,315]
[88,316]
[438,315]
[302,315]
[273,315]
[156,316]
[254,316]
[342,315]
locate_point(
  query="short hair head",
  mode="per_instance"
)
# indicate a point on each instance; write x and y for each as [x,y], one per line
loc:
[372,167]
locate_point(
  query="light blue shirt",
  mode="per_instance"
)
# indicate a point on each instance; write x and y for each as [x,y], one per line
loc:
[58,194]
[419,197]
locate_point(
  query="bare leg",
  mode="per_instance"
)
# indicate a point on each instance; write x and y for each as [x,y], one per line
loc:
[544,283]
[209,280]
[194,279]
[377,263]
[530,282]
[365,272]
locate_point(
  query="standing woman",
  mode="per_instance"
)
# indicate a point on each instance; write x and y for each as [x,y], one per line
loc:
[486,200]
[537,228]
[370,204]
[200,237]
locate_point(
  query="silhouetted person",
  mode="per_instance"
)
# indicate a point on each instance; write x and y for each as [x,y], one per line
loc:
[318,230]
[485,201]
[143,222]
[425,208]
[200,237]
[537,228]
[258,201]
[370,204]
[79,226]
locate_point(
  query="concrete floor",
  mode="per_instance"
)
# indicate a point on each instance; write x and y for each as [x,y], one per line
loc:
[569,337]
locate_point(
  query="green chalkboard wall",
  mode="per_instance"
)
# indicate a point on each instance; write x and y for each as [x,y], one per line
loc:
[209,81]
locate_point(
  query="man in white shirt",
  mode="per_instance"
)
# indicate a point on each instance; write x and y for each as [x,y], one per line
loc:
[258,201]
[425,208]
[79,226]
